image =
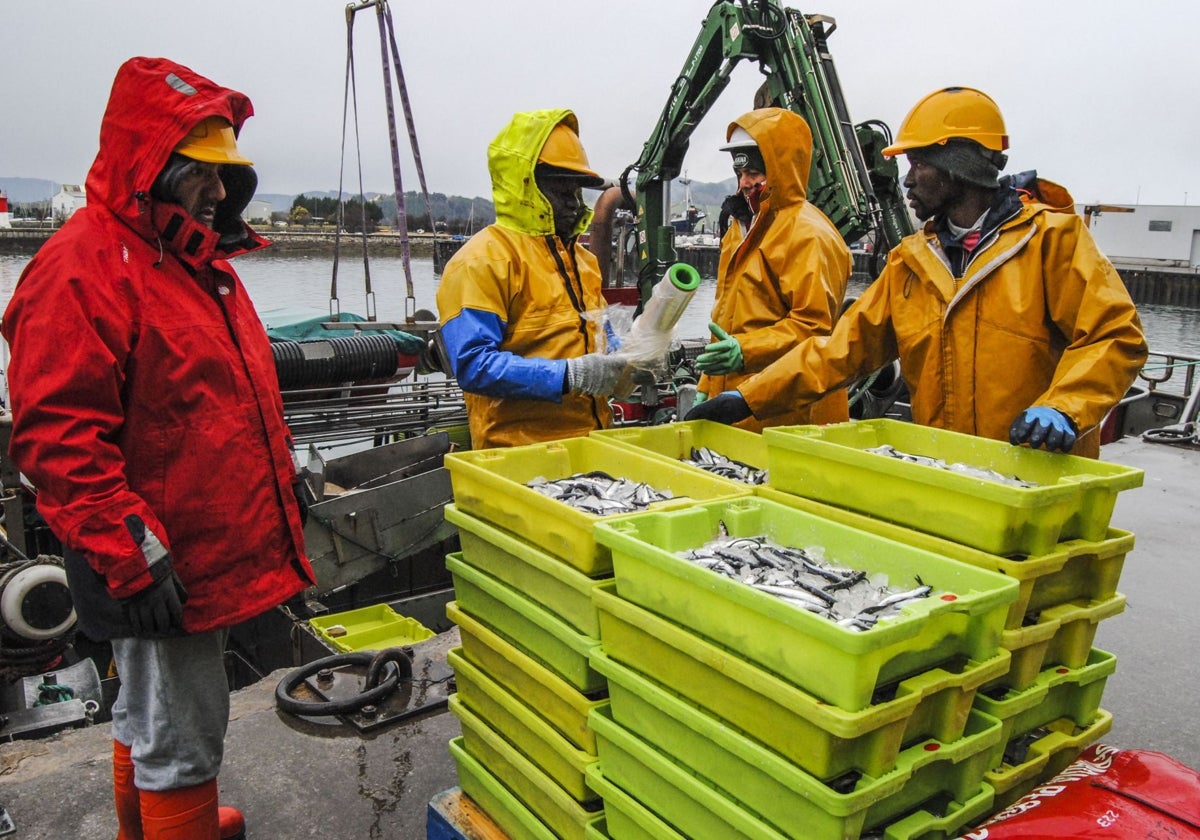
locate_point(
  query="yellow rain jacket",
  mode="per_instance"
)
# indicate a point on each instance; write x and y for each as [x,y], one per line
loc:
[516,301]
[784,278]
[1039,317]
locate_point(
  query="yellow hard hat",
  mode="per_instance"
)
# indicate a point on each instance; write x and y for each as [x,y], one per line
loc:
[951,112]
[212,141]
[563,150]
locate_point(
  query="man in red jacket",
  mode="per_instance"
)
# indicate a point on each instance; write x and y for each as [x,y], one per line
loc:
[147,413]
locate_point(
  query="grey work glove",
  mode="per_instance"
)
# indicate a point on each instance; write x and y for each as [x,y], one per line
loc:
[157,610]
[595,373]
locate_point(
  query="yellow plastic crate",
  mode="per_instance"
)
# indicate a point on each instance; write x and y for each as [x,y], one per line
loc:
[677,783]
[624,816]
[843,667]
[497,801]
[1058,692]
[1072,570]
[490,484]
[523,623]
[376,627]
[823,740]
[522,727]
[1073,499]
[559,587]
[561,704]
[552,805]
[1047,757]
[675,441]
[1062,635]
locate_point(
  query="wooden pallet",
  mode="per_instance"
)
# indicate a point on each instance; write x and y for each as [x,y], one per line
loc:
[452,815]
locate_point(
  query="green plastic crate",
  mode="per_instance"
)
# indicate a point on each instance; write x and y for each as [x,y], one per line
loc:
[523,623]
[537,740]
[820,739]
[559,587]
[675,441]
[370,628]
[1058,692]
[1062,635]
[552,805]
[1046,758]
[562,705]
[838,665]
[779,791]
[677,787]
[1074,569]
[1074,498]
[626,818]
[490,484]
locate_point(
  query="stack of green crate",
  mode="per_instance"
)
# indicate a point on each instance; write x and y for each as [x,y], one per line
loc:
[1053,538]
[523,583]
[732,713]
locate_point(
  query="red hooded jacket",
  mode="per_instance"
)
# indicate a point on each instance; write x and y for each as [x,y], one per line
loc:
[142,381]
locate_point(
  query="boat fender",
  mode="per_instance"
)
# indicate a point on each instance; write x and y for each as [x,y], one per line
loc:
[35,603]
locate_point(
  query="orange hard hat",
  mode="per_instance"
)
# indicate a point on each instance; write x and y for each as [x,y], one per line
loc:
[212,141]
[948,113]
[563,150]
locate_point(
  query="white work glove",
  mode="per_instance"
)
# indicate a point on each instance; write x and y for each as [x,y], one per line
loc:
[595,373]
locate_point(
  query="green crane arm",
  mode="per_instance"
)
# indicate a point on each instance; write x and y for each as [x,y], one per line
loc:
[850,180]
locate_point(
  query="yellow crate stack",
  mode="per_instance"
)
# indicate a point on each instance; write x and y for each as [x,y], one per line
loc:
[610,689]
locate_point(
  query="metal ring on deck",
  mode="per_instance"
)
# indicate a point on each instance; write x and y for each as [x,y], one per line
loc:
[375,662]
[1182,433]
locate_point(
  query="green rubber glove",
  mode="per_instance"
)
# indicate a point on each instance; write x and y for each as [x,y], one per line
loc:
[722,356]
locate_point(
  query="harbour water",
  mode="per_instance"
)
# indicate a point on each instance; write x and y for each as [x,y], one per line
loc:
[295,280]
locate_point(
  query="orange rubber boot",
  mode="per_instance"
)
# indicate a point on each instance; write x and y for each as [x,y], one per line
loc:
[232,823]
[129,804]
[188,813]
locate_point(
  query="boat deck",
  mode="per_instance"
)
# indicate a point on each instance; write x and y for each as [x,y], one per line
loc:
[293,779]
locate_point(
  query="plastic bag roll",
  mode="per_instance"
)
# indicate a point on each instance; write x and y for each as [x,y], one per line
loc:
[669,300]
[649,338]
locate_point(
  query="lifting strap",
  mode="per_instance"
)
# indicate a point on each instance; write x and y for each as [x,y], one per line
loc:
[387,41]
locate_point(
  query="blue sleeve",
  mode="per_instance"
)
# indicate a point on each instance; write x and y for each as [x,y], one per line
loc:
[473,340]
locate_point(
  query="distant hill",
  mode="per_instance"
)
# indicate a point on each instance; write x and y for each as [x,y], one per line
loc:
[28,189]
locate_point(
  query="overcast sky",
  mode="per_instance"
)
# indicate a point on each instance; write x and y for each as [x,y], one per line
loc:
[1097,94]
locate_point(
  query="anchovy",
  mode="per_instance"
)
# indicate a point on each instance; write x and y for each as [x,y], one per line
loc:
[851,598]
[921,591]
[963,469]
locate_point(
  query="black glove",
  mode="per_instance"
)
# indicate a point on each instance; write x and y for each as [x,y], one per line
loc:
[157,610]
[1040,425]
[727,407]
[300,488]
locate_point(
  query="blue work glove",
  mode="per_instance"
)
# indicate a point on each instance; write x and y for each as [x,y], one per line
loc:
[727,407]
[1040,425]
[595,373]
[157,610]
[720,357]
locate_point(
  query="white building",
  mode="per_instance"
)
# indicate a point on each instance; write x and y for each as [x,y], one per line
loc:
[258,210]
[5,216]
[1152,235]
[69,199]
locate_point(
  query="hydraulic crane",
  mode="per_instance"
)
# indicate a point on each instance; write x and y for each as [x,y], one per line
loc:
[850,181]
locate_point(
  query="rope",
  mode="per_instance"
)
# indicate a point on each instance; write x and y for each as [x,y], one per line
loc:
[49,693]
